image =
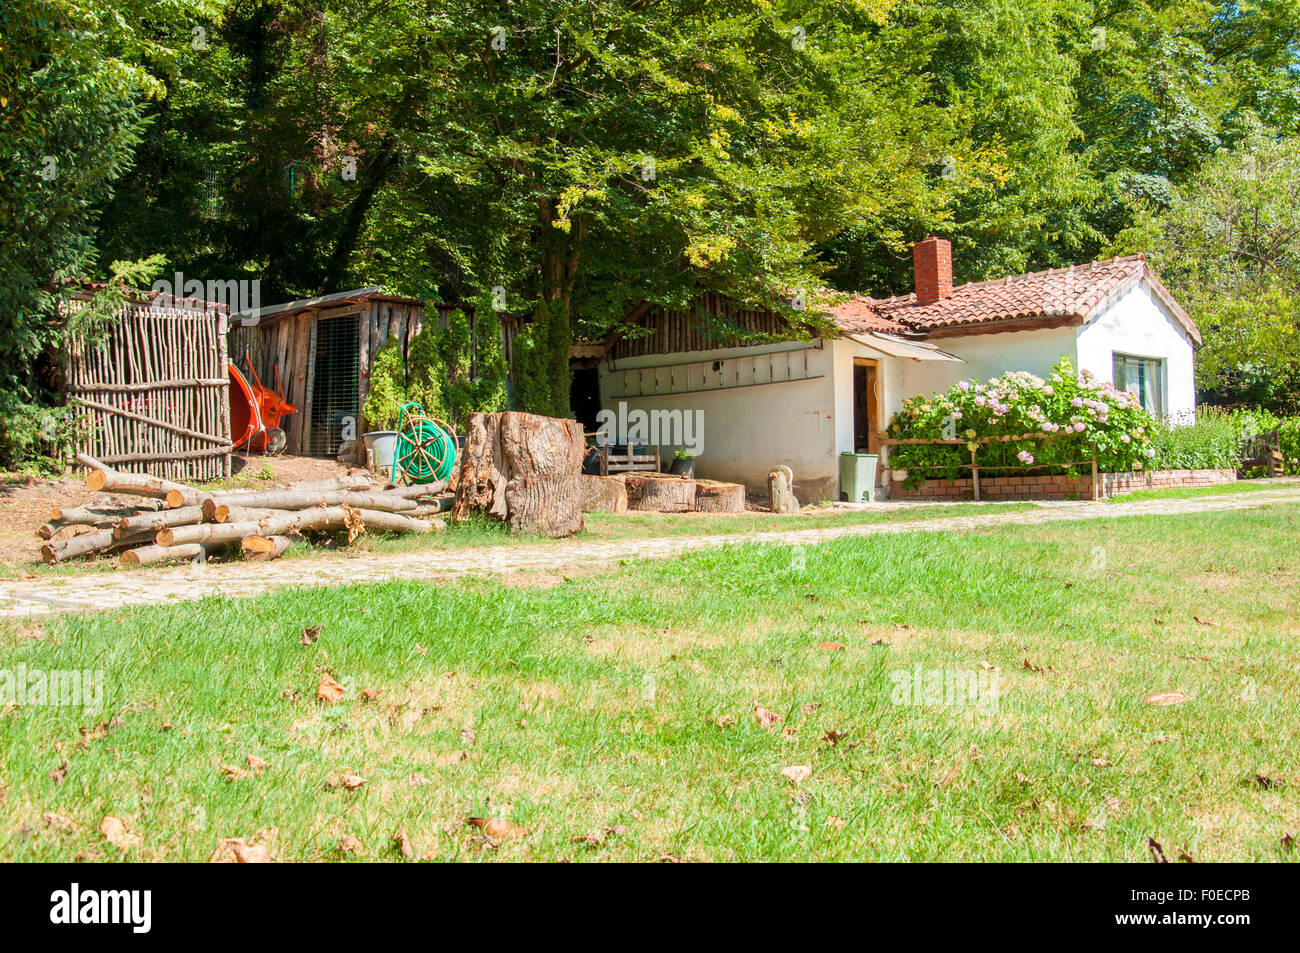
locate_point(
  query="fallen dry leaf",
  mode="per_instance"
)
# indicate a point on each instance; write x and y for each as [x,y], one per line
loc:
[235,850]
[468,736]
[370,694]
[1204,621]
[1157,852]
[1167,698]
[309,635]
[233,773]
[1101,763]
[256,764]
[766,718]
[1267,783]
[329,690]
[353,781]
[951,776]
[797,773]
[726,720]
[1288,841]
[402,844]
[835,823]
[496,827]
[1021,779]
[809,707]
[598,836]
[348,844]
[831,646]
[116,833]
[833,736]
[59,774]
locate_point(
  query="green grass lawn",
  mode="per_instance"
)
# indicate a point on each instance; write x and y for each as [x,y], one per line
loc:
[612,716]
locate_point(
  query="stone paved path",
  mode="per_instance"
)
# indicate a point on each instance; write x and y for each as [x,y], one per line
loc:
[111,590]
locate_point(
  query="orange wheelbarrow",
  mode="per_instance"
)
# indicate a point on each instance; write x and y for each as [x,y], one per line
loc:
[256,411]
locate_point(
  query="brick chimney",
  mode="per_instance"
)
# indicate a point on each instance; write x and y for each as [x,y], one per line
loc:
[932,263]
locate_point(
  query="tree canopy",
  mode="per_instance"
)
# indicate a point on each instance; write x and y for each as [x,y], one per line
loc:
[567,159]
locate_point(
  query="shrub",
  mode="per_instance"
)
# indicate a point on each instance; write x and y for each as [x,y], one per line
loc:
[1212,442]
[1077,416]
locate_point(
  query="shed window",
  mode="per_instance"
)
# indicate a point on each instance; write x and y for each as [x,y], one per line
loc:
[1143,377]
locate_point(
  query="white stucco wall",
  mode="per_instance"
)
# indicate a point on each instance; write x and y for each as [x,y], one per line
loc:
[989,355]
[748,430]
[1136,324]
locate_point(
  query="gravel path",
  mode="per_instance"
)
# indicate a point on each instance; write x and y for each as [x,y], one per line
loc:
[112,590]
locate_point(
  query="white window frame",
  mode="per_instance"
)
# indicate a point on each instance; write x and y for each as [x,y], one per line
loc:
[1161,367]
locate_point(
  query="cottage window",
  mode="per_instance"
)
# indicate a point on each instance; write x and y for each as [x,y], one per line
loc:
[1144,378]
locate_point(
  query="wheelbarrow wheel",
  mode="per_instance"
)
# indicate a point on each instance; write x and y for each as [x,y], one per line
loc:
[276,440]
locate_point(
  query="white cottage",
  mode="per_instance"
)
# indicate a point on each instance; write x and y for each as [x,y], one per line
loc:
[803,402]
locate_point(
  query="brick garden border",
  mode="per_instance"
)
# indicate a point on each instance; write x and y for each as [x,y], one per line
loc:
[1031,487]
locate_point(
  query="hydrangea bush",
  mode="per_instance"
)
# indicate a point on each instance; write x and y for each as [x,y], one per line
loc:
[1080,415]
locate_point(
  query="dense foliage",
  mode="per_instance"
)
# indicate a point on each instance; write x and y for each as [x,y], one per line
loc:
[1020,422]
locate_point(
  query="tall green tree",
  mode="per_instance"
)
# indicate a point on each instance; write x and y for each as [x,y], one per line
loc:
[1229,248]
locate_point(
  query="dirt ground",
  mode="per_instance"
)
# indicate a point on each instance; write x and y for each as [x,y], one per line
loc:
[26,502]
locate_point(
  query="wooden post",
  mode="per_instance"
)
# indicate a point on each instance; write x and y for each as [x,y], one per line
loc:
[1096,486]
[975,476]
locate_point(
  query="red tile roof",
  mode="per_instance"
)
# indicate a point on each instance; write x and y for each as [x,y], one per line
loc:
[1075,294]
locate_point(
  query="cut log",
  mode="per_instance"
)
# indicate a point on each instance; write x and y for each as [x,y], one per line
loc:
[102,516]
[149,555]
[523,469]
[61,531]
[301,499]
[156,521]
[607,494]
[714,497]
[320,517]
[780,490]
[135,484]
[435,506]
[186,496]
[227,513]
[100,540]
[659,493]
[262,548]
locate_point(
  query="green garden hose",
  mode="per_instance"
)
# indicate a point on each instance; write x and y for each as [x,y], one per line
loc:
[426,449]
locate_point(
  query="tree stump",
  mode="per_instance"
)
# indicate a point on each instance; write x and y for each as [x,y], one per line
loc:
[607,494]
[523,469]
[659,493]
[714,497]
[780,490]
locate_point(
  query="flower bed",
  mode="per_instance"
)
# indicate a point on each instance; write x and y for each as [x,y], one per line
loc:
[1023,425]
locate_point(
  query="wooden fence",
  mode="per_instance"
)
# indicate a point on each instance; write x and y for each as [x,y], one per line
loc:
[976,468]
[153,394]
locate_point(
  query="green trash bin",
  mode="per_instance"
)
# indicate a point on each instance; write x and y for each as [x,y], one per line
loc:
[858,476]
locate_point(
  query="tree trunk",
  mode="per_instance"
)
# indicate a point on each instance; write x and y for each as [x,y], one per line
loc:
[714,497]
[101,540]
[523,469]
[659,493]
[607,494]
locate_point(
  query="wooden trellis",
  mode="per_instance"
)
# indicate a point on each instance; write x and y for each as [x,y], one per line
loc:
[153,394]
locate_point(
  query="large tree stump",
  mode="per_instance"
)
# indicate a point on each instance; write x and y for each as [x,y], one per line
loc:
[780,490]
[659,493]
[605,493]
[523,469]
[714,497]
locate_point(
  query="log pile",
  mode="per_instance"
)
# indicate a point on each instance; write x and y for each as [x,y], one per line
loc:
[660,493]
[177,523]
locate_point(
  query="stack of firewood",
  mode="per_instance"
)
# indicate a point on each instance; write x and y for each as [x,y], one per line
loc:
[174,523]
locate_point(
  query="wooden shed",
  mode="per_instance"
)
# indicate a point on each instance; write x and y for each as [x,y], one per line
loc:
[322,349]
